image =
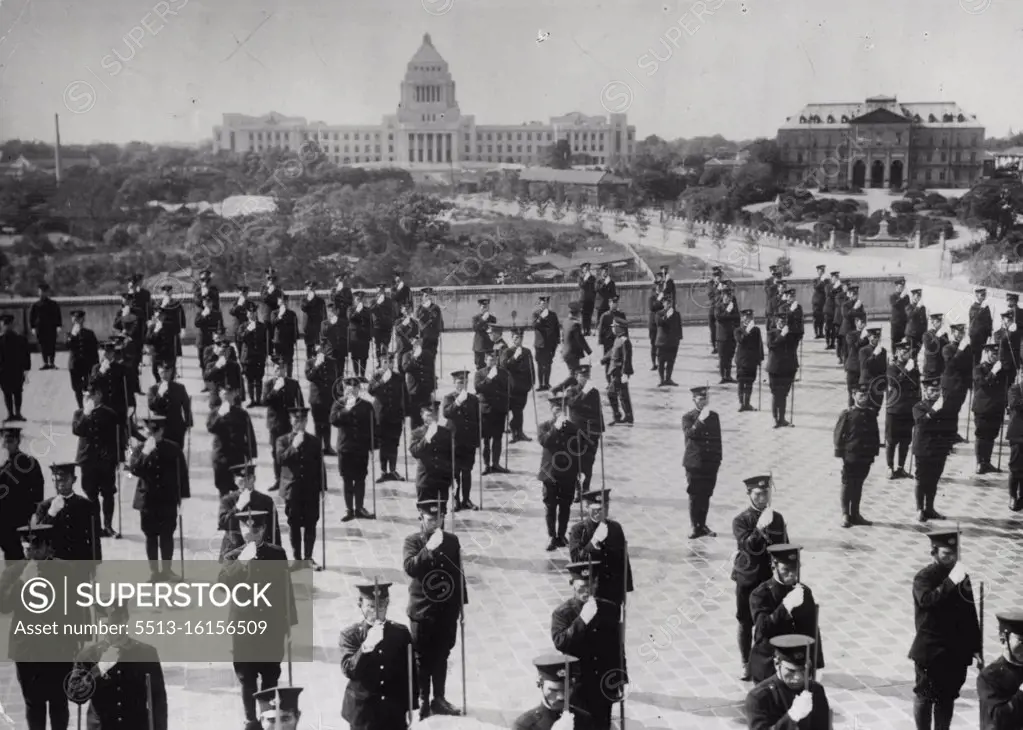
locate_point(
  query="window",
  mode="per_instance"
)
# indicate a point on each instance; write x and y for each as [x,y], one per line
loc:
[973,157]
[898,138]
[490,148]
[348,161]
[467,150]
[519,148]
[346,138]
[929,176]
[518,136]
[390,137]
[529,136]
[944,156]
[390,148]
[346,148]
[489,136]
[549,137]
[941,176]
[499,149]
[377,148]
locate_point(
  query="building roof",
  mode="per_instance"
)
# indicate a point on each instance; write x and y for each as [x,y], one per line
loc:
[577,177]
[1008,152]
[559,261]
[427,53]
[838,115]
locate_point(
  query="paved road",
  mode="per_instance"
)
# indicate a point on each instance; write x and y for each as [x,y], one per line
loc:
[681,645]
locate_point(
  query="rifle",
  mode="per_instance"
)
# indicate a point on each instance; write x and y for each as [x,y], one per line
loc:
[621,637]
[323,514]
[981,620]
[149,704]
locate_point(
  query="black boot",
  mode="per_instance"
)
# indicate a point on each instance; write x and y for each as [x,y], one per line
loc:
[943,714]
[922,713]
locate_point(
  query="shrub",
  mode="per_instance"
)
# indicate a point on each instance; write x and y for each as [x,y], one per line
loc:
[902,206]
[784,265]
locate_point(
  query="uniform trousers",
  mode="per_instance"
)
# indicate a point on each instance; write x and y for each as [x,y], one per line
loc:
[928,472]
[854,473]
[255,677]
[712,322]
[840,346]
[465,460]
[745,618]
[433,639]
[898,334]
[10,543]
[700,490]
[322,427]
[666,356]
[587,316]
[274,435]
[780,387]
[480,359]
[652,331]
[360,356]
[954,399]
[830,331]
[79,384]
[287,353]
[158,526]
[390,436]
[898,435]
[517,404]
[223,478]
[493,433]
[619,398]
[937,688]
[852,381]
[13,388]
[381,341]
[557,505]
[544,363]
[42,687]
[254,380]
[745,378]
[302,521]
[985,432]
[1016,471]
[818,321]
[353,466]
[99,480]
[47,338]
[726,351]
[589,448]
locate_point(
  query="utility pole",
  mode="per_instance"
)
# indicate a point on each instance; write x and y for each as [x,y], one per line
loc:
[56,147]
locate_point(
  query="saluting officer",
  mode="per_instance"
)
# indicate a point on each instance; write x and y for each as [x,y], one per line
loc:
[981,324]
[253,354]
[727,318]
[234,505]
[666,342]
[302,483]
[1012,303]
[841,297]
[21,483]
[172,315]
[124,674]
[852,308]
[586,411]
[234,440]
[387,388]
[932,348]
[957,377]
[321,372]
[820,295]
[431,320]
[546,339]
[400,293]
[990,398]
[141,297]
[1009,339]
[404,334]
[618,363]
[270,295]
[462,411]
[755,529]
[903,378]
[916,320]
[240,311]
[101,446]
[360,332]
[832,288]
[382,314]
[75,519]
[481,322]
[493,388]
[605,335]
[602,539]
[15,361]
[342,294]
[556,710]
[560,469]
[284,334]
[702,459]
[375,659]
[947,632]
[605,291]
[208,321]
[223,371]
[668,284]
[437,593]
[782,699]
[749,354]
[45,322]
[281,393]
[999,683]
[655,305]
[898,301]
[934,437]
[714,285]
[793,311]
[111,377]
[855,340]
[782,604]
[431,445]
[355,420]
[334,332]
[873,369]
[857,444]
[169,398]
[420,381]
[83,354]
[517,361]
[782,365]
[589,627]
[163,482]
[587,296]
[315,310]
[574,347]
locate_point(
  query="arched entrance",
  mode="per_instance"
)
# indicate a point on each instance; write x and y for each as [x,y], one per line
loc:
[877,174]
[895,174]
[859,175]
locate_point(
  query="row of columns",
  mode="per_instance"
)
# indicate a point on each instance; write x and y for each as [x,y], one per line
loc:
[430,146]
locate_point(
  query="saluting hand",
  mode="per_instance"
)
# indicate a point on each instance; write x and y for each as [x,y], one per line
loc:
[297,440]
[463,396]
[565,721]
[435,540]
[249,551]
[589,610]
[600,534]
[243,500]
[149,446]
[162,389]
[492,373]
[766,518]
[704,412]
[373,637]
[792,307]
[386,376]
[431,431]
[56,506]
[110,658]
[996,368]
[279,383]
[785,331]
[795,598]
[802,706]
[958,574]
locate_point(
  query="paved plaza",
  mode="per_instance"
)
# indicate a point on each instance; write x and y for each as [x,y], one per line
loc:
[682,654]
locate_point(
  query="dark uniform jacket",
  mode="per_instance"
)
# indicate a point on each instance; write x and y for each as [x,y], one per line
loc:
[315,311]
[492,392]
[336,333]
[958,373]
[382,315]
[270,299]
[546,332]
[559,460]
[899,316]
[782,359]
[229,374]
[542,717]
[163,478]
[437,588]
[420,380]
[1000,697]
[849,314]
[597,645]
[872,369]
[391,397]
[856,436]
[114,384]
[669,329]
[795,319]
[933,348]
[270,565]
[947,629]
[118,701]
[520,369]
[767,707]
[302,472]
[654,307]
[990,391]
[174,322]
[481,321]
[727,319]
[615,569]
[1009,351]
[1014,430]
[234,440]
[240,314]
[378,692]
[575,345]
[15,359]
[253,346]
[322,378]
[278,401]
[585,410]
[23,488]
[431,322]
[176,406]
[854,342]
[668,287]
[401,294]
[343,299]
[820,294]
[360,328]
[830,292]
[981,324]
[355,426]
[605,289]
[206,326]
[403,333]
[44,315]
[229,525]
[749,351]
[619,360]
[752,564]
[903,390]
[935,432]
[285,330]
[771,618]
[463,419]
[841,297]
[605,333]
[76,529]
[83,351]
[211,291]
[587,288]
[916,321]
[433,468]
[703,442]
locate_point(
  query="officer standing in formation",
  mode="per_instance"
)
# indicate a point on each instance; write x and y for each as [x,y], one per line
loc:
[21,483]
[857,444]
[234,440]
[15,361]
[557,673]
[618,364]
[315,311]
[75,519]
[668,324]
[1014,435]
[702,459]
[727,317]
[574,346]
[481,322]
[782,364]
[546,340]
[45,322]
[517,361]
[587,296]
[933,439]
[281,393]
[278,708]
[820,295]
[241,501]
[999,683]
[388,390]
[284,331]
[83,354]
[749,354]
[990,391]
[831,302]
[917,320]
[302,483]
[598,538]
[899,303]
[560,471]
[432,445]
[461,409]
[903,378]
[493,388]
[355,420]
[981,324]
[789,698]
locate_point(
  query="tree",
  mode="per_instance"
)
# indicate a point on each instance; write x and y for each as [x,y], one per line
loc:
[641,223]
[751,242]
[558,211]
[558,155]
[719,236]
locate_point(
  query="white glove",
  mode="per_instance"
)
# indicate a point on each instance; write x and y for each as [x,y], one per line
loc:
[110,657]
[243,500]
[958,573]
[159,326]
[349,403]
[418,351]
[766,518]
[408,319]
[56,506]
[938,403]
[270,289]
[162,390]
[88,406]
[387,376]
[249,551]
[358,307]
[1012,327]
[431,432]
[462,397]
[241,300]
[802,706]
[792,307]
[373,637]
[794,599]
[589,610]
[224,409]
[565,721]
[858,304]
[298,439]
[560,422]
[704,413]
[104,366]
[518,353]
[251,327]
[221,362]
[492,373]
[435,540]
[785,331]
[149,446]
[320,358]
[75,329]
[206,311]
[731,306]
[310,296]
[600,534]
[963,343]
[910,365]
[380,299]
[878,350]
[279,383]
[669,311]
[544,313]
[996,368]
[625,379]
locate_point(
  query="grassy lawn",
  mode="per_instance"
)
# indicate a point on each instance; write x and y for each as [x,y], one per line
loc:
[684,266]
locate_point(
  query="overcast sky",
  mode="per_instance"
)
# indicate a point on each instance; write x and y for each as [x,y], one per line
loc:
[726,66]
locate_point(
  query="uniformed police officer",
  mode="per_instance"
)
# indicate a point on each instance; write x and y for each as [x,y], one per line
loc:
[668,336]
[727,316]
[360,333]
[601,539]
[83,354]
[999,683]
[947,632]
[574,346]
[15,361]
[820,295]
[857,444]
[831,290]
[302,482]
[334,331]
[551,713]
[1014,435]
[546,339]
[462,411]
[782,604]
[246,497]
[163,482]
[404,334]
[431,320]
[124,674]
[437,593]
[857,339]
[932,348]
[221,368]
[355,420]
[990,391]
[788,698]
[481,321]
[1009,339]
[170,399]
[208,321]
[898,302]
[587,296]
[281,393]
[586,411]
[22,486]
[903,378]
[714,286]
[589,627]
[45,322]
[253,353]
[517,361]
[702,459]
[957,376]
[782,365]
[560,469]
[387,387]
[75,519]
[278,708]
[382,314]
[749,354]
[981,324]
[933,439]
[840,296]
[431,445]
[315,310]
[916,320]
[234,440]
[606,290]
[284,334]
[377,659]
[605,335]
[493,388]
[101,445]
[420,380]
[755,529]
[873,370]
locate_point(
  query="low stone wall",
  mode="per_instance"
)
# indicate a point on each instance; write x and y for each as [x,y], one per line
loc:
[512,304]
